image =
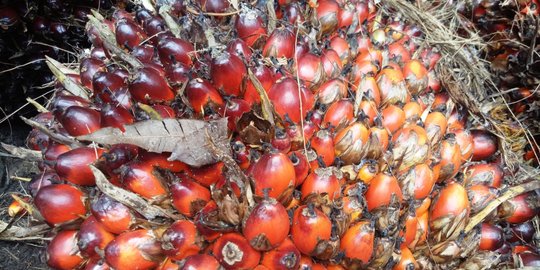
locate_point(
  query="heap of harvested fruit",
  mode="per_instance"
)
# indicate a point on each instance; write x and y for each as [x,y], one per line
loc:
[302,136]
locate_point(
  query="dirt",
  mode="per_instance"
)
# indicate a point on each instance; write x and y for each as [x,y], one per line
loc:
[16,255]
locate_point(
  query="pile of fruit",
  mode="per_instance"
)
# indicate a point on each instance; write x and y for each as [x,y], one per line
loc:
[342,149]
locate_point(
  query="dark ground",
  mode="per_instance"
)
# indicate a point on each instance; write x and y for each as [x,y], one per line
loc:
[16,255]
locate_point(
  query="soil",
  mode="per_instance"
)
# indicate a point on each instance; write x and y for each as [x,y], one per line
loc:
[17,255]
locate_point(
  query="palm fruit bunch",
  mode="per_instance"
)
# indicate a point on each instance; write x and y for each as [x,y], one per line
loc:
[305,135]
[29,30]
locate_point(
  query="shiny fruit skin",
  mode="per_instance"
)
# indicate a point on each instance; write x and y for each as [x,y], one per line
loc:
[80,120]
[233,251]
[148,85]
[491,237]
[358,241]
[407,260]
[92,235]
[273,171]
[309,226]
[188,196]
[201,262]
[113,215]
[201,94]
[284,257]
[380,191]
[228,73]
[281,43]
[139,177]
[62,252]
[286,99]
[489,174]
[73,165]
[60,203]
[180,240]
[260,227]
[321,181]
[452,200]
[520,208]
[485,145]
[137,249]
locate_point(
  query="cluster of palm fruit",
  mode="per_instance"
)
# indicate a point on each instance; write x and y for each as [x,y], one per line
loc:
[351,153]
[29,30]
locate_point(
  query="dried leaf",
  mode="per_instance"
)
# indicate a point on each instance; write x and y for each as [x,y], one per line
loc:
[15,233]
[22,153]
[187,139]
[254,130]
[71,86]
[267,108]
[130,199]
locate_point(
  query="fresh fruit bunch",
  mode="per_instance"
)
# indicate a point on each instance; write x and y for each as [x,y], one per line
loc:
[342,149]
[29,30]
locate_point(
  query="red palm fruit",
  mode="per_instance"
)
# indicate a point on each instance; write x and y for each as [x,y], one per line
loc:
[406,261]
[97,264]
[357,243]
[88,68]
[410,230]
[328,13]
[529,259]
[293,13]
[485,144]
[233,251]
[379,140]
[450,156]
[241,154]
[145,53]
[260,226]
[201,94]
[164,111]
[287,98]
[416,76]
[93,236]
[323,144]
[520,208]
[214,6]
[398,53]
[181,240]
[448,212]
[161,160]
[521,232]
[393,117]
[172,50]
[332,63]
[54,150]
[331,91]
[208,174]
[342,48]
[435,125]
[62,102]
[113,215]
[228,73]
[80,120]
[306,263]
[368,86]
[37,140]
[369,111]
[362,69]
[60,203]
[465,141]
[137,249]
[281,43]
[392,86]
[480,196]
[423,181]
[281,141]
[273,171]
[177,75]
[116,116]
[410,146]
[204,221]
[188,196]
[235,108]
[310,70]
[107,80]
[239,48]
[338,114]
[380,191]
[285,256]
[265,76]
[321,181]
[201,262]
[148,85]
[223,183]
[372,55]
[351,142]
[491,237]
[128,34]
[309,227]
[62,252]
[168,264]
[301,166]
[118,155]
[139,177]
[347,14]
[250,27]
[434,83]
[73,165]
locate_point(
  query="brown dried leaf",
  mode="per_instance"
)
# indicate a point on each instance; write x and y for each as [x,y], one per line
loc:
[22,153]
[187,139]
